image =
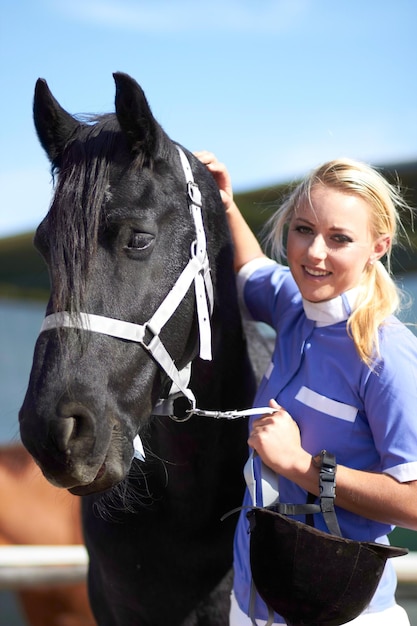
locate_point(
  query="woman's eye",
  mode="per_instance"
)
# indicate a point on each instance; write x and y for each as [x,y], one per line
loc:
[140,241]
[342,239]
[303,230]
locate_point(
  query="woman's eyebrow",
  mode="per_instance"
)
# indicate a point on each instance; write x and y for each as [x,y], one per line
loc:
[334,228]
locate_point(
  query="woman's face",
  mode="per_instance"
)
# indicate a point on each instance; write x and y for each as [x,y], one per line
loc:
[330,243]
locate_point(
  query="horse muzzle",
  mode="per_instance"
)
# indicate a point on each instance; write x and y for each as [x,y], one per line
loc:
[74,450]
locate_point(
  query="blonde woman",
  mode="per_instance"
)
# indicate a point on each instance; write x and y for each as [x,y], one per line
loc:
[343,375]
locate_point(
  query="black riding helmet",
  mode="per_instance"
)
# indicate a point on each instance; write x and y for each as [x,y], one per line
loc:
[308,576]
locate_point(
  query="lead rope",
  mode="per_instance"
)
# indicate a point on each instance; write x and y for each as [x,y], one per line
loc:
[205,339]
[252,603]
[269,493]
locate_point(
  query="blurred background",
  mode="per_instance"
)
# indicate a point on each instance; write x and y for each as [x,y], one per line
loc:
[273,88]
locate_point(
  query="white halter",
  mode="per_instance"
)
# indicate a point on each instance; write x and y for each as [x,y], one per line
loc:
[198,271]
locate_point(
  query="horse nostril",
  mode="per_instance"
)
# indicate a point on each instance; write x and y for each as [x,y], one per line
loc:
[73,427]
[62,430]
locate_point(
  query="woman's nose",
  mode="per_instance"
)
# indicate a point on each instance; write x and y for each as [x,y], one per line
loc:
[318,248]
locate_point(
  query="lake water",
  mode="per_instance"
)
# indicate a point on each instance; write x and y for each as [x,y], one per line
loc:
[20,322]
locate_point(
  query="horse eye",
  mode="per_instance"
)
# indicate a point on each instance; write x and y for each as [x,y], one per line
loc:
[139,241]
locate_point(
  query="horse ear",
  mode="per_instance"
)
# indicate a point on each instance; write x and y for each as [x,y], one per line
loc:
[135,117]
[54,125]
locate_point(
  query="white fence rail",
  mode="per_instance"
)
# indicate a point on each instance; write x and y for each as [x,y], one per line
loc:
[31,566]
[406,567]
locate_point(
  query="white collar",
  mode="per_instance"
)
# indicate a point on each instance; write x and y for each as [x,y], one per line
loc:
[331,311]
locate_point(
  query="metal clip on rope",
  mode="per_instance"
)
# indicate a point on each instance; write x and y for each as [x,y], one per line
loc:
[232,414]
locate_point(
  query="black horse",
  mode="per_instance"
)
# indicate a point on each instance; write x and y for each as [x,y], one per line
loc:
[125,232]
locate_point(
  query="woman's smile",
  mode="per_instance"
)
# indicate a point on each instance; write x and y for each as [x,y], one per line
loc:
[316,272]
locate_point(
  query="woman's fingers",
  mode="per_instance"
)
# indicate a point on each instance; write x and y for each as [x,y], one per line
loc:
[220,174]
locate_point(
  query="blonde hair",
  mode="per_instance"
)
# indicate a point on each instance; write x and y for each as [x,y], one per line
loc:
[378,295]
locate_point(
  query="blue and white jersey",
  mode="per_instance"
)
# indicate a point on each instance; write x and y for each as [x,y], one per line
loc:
[366,417]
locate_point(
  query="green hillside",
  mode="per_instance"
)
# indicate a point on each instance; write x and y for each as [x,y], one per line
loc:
[23,273]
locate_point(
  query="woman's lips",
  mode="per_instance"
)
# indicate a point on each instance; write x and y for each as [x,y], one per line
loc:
[316,272]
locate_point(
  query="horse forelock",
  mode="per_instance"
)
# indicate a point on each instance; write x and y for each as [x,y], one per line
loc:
[82,189]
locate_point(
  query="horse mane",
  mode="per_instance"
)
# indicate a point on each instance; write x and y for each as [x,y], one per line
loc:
[82,188]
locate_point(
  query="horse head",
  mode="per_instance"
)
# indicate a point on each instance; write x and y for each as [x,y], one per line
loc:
[116,239]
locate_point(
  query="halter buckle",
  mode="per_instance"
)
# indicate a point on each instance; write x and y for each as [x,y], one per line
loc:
[194,193]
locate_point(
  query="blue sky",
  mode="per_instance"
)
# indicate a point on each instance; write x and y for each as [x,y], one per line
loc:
[273,87]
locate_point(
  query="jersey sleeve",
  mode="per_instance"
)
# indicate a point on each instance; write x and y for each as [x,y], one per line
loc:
[391,402]
[266,289]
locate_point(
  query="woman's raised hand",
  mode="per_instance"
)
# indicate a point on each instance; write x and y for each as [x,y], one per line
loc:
[245,245]
[220,174]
